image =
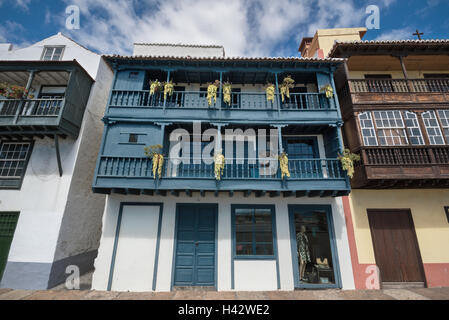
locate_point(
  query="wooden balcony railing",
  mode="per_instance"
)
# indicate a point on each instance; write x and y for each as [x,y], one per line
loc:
[405,156]
[399,85]
[198,100]
[235,169]
[31,107]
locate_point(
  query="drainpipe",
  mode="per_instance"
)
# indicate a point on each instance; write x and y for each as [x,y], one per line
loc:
[58,154]
[221,90]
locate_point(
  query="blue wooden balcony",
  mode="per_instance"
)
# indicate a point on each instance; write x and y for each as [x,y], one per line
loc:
[249,106]
[44,114]
[308,177]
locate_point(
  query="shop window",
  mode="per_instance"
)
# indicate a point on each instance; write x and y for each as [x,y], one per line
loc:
[313,246]
[433,128]
[254,231]
[14,158]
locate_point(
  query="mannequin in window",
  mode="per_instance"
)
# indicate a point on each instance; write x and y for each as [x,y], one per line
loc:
[302,242]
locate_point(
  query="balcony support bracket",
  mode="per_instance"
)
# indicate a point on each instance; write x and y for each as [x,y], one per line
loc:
[58,155]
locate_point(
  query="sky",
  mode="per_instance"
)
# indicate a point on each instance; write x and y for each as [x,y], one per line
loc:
[243,27]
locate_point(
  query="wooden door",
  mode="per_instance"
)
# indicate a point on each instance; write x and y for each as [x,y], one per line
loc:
[395,246]
[195,252]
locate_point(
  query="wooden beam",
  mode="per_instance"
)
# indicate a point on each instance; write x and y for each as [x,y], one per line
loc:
[247,193]
[202,193]
[260,194]
[174,193]
[189,193]
[231,193]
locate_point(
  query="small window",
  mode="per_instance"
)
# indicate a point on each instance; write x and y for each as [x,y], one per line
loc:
[367,127]
[14,158]
[53,53]
[444,118]
[133,138]
[390,128]
[433,128]
[254,232]
[413,128]
[134,75]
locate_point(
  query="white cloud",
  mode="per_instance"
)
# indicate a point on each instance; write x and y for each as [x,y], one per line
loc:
[397,34]
[243,27]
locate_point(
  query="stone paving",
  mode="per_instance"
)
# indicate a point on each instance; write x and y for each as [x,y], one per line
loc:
[397,294]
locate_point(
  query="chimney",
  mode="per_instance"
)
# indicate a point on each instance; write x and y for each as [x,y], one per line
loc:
[5,47]
[321,44]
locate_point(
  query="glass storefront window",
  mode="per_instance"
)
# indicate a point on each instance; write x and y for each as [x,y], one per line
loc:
[315,260]
[253,232]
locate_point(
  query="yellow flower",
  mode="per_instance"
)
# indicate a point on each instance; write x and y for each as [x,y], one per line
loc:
[219,166]
[283,162]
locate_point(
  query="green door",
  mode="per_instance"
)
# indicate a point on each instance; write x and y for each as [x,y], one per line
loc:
[8,223]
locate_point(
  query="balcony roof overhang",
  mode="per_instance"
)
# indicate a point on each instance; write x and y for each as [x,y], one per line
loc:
[274,64]
[39,66]
[389,47]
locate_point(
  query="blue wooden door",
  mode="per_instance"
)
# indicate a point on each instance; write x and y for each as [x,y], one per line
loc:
[195,245]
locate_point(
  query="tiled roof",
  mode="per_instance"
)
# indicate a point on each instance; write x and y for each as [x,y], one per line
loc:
[391,43]
[178,45]
[233,59]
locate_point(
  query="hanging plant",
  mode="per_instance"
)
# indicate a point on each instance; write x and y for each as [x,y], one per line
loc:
[287,84]
[212,92]
[168,89]
[347,161]
[283,163]
[270,92]
[155,87]
[219,164]
[328,90]
[12,91]
[227,91]
[154,152]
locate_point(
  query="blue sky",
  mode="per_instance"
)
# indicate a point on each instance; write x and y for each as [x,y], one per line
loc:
[244,27]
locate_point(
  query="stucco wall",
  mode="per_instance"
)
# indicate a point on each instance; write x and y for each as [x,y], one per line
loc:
[259,280]
[432,227]
[88,59]
[59,216]
[81,226]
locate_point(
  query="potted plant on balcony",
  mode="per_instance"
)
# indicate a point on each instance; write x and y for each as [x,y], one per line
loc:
[227,91]
[347,161]
[328,90]
[212,90]
[283,163]
[168,89]
[12,91]
[154,152]
[155,87]
[287,84]
[270,92]
[219,165]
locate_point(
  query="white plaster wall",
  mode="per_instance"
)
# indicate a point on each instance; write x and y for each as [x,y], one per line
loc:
[136,249]
[44,194]
[177,51]
[73,51]
[40,201]
[241,268]
[255,275]
[81,226]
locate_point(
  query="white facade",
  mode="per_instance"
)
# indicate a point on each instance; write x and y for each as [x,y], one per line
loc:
[177,50]
[60,217]
[244,275]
